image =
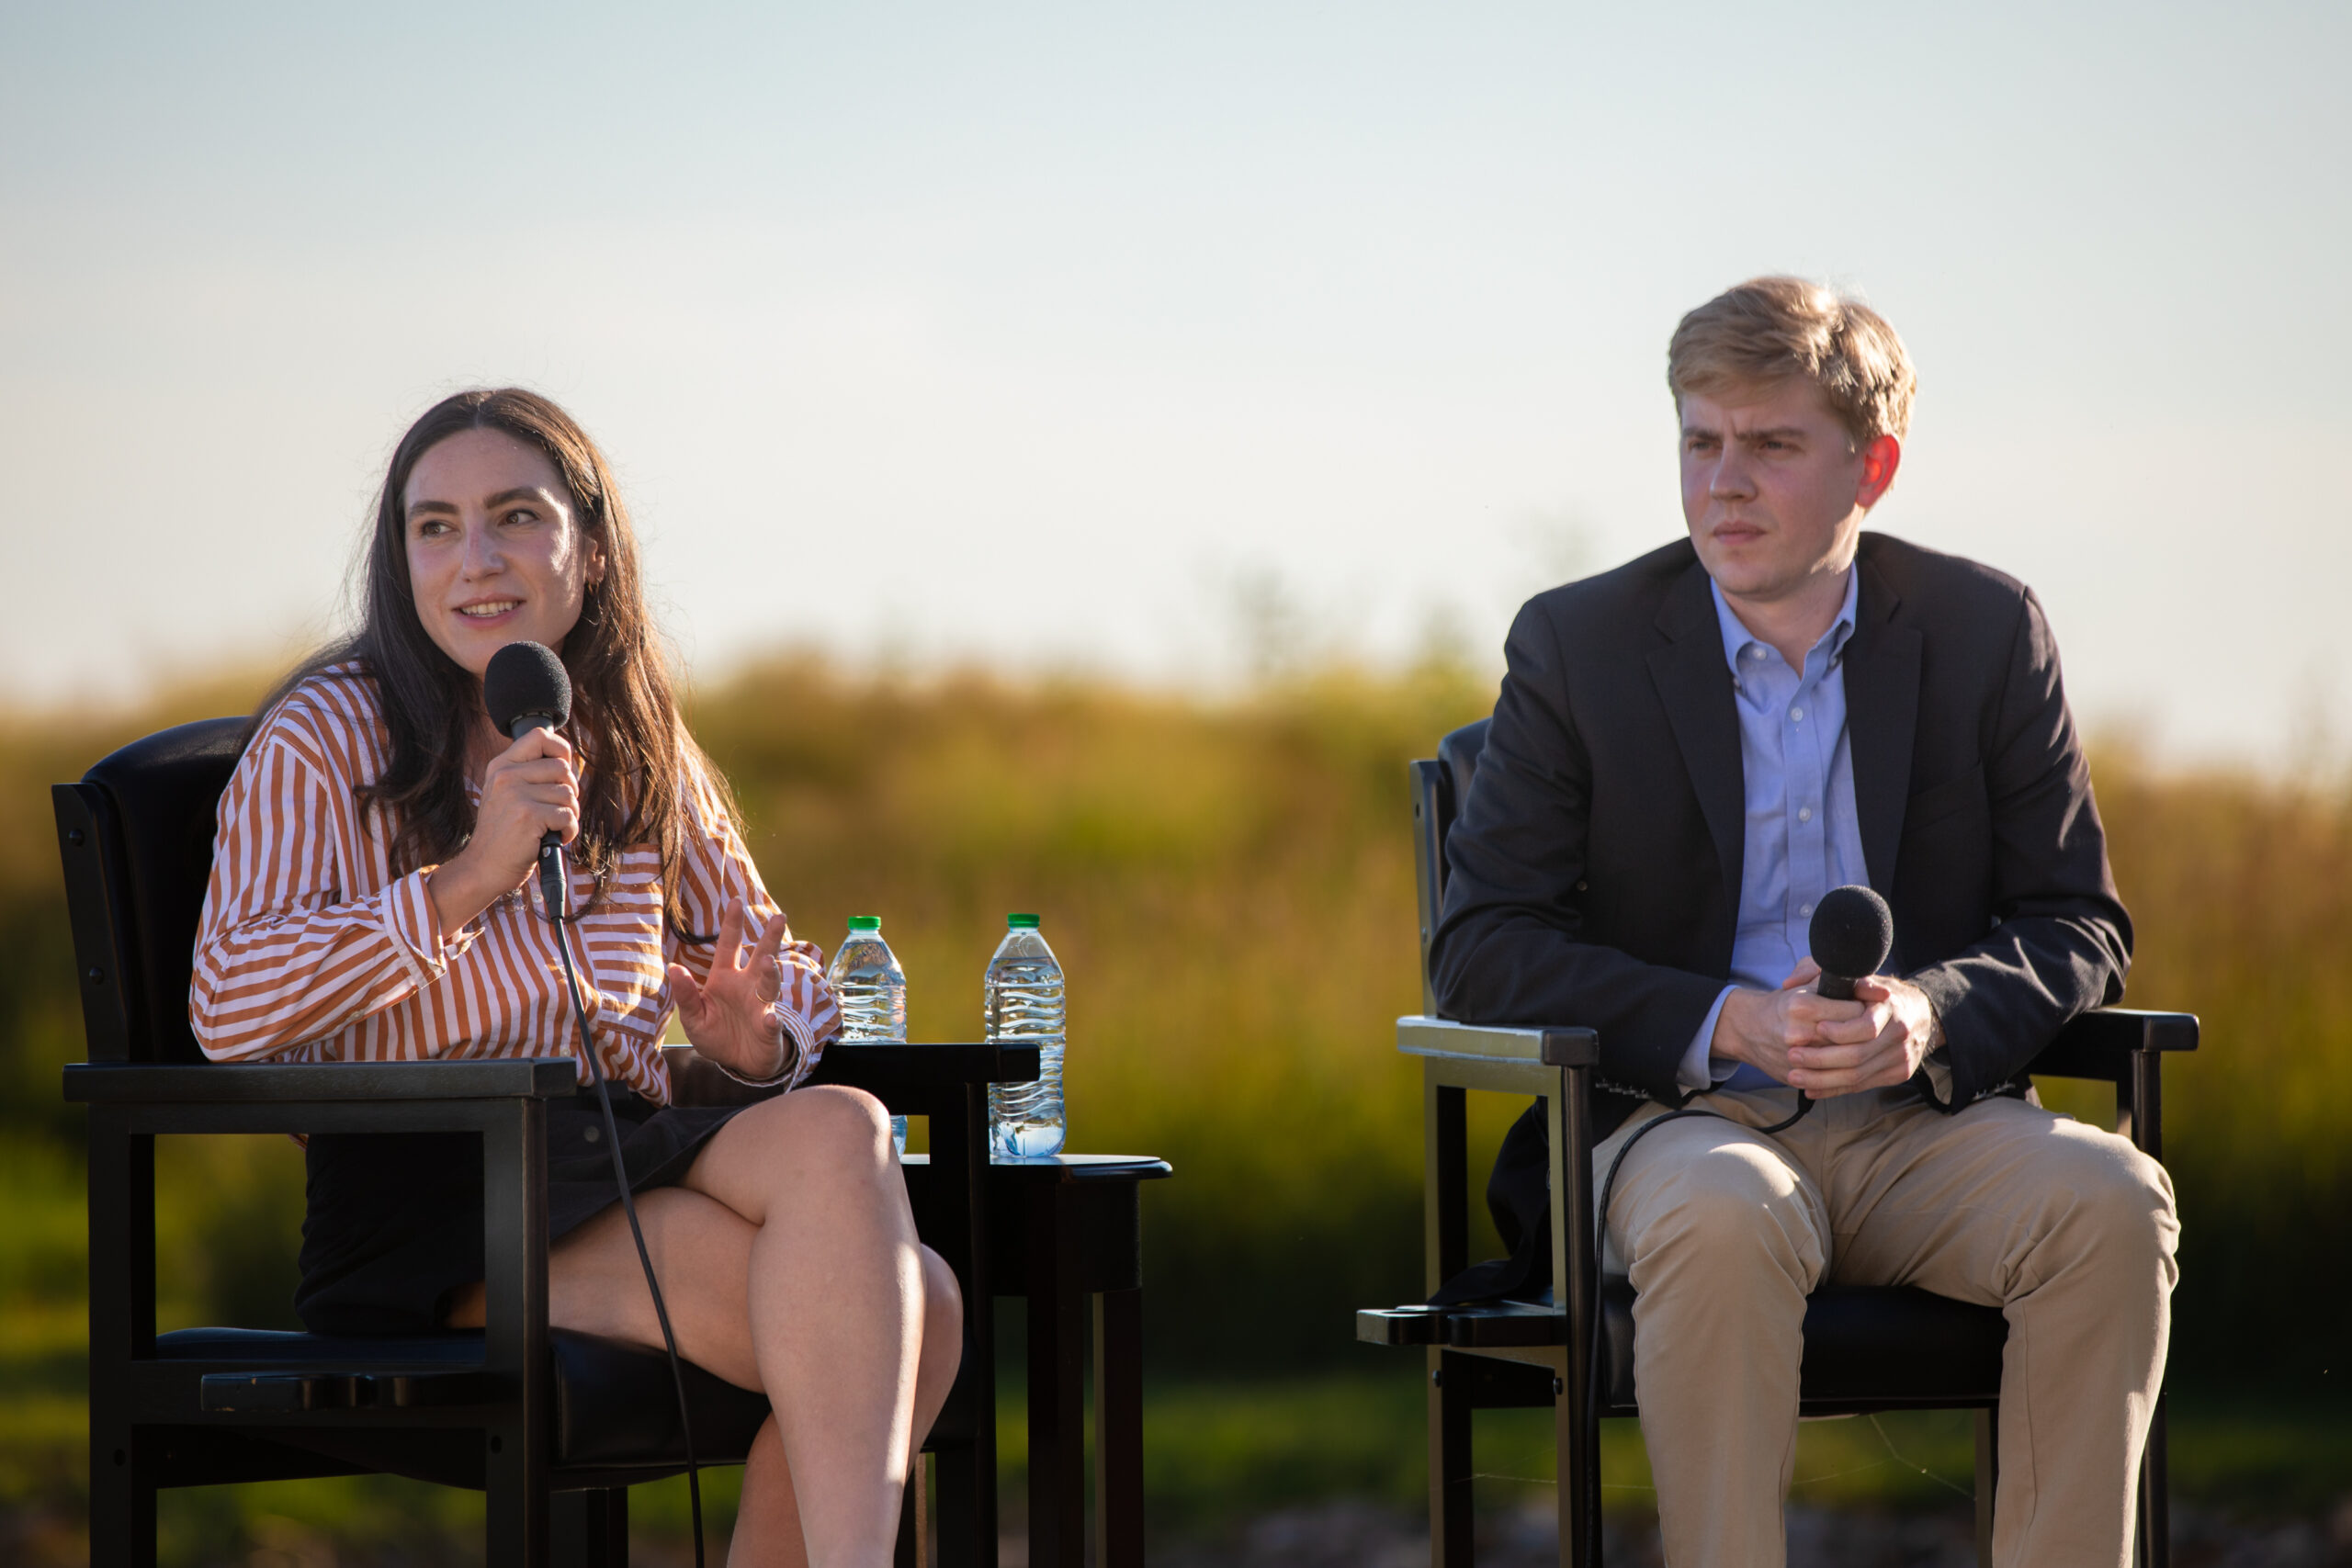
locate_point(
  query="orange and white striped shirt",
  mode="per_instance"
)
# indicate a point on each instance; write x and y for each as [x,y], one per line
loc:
[311,949]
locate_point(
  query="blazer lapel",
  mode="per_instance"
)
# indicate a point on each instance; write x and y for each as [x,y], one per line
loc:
[1695,686]
[1881,715]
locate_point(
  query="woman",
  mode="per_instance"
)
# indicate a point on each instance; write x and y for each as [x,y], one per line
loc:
[369,901]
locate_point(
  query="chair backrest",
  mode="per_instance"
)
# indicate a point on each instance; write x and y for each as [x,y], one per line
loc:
[1439,789]
[136,839]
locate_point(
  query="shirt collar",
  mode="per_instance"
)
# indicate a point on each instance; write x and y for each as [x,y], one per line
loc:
[1738,638]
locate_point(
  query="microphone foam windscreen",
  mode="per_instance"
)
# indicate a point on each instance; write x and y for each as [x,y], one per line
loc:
[525,678]
[1852,932]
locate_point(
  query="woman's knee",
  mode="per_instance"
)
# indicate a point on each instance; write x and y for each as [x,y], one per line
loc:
[814,1143]
[838,1123]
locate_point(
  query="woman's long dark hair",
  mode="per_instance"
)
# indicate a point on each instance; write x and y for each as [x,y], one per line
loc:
[634,747]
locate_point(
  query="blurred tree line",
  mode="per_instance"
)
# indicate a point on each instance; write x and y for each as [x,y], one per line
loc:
[1229,889]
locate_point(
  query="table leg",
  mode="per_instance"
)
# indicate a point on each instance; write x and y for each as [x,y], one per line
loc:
[1118,1430]
[963,1498]
[1056,1382]
[913,1550]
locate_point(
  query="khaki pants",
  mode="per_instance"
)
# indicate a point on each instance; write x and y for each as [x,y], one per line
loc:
[2069,1230]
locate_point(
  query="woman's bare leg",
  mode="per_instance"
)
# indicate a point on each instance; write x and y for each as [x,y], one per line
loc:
[768,1521]
[840,1305]
[768,1528]
[789,1264]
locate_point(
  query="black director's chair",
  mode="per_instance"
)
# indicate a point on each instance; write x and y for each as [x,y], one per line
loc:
[554,1426]
[1866,1348]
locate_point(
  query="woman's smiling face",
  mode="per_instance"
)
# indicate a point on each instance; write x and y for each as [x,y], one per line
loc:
[496,552]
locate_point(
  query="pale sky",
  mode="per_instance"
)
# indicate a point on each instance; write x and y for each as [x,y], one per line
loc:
[1058,335]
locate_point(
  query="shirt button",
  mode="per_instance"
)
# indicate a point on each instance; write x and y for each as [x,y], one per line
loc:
[1806,911]
[1755,652]
[1805,812]
[1797,714]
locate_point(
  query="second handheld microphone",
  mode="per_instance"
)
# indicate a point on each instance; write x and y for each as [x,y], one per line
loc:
[1852,935]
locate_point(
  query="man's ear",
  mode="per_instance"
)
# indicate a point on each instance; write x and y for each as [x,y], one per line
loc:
[1880,459]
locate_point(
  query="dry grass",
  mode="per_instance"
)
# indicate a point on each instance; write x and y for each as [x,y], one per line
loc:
[1229,889]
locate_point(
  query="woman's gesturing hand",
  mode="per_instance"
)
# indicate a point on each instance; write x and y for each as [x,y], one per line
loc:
[731,1017]
[527,789]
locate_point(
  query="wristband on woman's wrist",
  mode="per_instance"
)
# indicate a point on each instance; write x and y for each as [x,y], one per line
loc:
[788,1057]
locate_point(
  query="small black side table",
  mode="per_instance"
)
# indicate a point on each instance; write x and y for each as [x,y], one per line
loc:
[1062,1229]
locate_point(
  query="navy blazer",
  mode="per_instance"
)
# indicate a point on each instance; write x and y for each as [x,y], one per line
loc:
[1594,869]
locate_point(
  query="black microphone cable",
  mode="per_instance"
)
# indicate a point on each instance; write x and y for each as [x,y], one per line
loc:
[551,893]
[1600,1240]
[1852,935]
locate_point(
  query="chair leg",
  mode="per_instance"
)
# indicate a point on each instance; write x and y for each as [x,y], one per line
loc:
[515,1432]
[914,1517]
[1988,1480]
[589,1529]
[2154,1547]
[122,1507]
[1578,1467]
[965,1502]
[1452,1544]
[122,1329]
[515,1517]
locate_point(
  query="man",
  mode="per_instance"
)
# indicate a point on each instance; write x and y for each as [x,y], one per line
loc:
[1686,753]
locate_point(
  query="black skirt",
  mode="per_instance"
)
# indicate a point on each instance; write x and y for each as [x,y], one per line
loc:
[395,1221]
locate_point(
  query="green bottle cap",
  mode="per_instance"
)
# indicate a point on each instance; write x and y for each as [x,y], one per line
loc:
[1021,922]
[865,922]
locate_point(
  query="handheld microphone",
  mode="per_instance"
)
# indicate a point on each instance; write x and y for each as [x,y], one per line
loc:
[1852,932]
[526,687]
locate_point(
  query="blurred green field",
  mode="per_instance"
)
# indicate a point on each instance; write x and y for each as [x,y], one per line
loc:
[1229,887]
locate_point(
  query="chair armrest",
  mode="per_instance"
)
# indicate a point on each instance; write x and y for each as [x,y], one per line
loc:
[267,1083]
[2100,1044]
[1419,1035]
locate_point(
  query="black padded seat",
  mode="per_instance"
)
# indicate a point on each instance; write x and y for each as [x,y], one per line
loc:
[612,1408]
[1861,1350]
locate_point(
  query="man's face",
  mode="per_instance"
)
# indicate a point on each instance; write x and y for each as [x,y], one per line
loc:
[1774,488]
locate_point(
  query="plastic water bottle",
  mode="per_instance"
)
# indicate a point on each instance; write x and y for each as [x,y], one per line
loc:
[1022,1004]
[872,990]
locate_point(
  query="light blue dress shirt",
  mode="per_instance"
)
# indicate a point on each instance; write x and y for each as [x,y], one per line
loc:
[1801,839]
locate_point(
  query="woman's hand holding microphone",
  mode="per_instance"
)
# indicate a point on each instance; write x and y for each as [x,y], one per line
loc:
[528,790]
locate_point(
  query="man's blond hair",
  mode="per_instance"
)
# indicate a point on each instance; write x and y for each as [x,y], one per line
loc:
[1780,329]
